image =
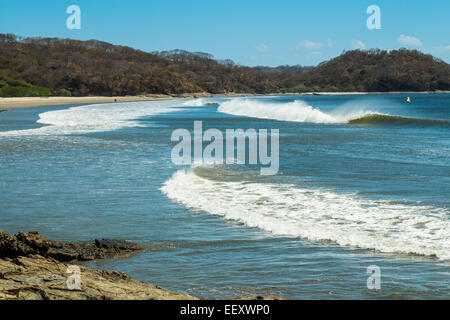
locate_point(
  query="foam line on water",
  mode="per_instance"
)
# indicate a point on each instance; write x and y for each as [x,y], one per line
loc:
[317,215]
[197,102]
[96,117]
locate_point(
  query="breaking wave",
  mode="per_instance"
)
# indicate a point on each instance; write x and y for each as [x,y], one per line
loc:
[296,111]
[196,102]
[299,111]
[314,214]
[95,118]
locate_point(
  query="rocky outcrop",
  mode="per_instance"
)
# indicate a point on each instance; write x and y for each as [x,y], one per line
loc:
[35,268]
[38,278]
[25,244]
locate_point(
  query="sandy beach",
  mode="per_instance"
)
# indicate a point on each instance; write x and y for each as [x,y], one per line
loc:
[28,102]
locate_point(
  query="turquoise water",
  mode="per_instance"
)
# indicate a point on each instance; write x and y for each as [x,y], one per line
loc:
[346,196]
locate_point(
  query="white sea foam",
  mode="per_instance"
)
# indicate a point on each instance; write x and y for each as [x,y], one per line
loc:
[96,118]
[296,111]
[198,102]
[317,215]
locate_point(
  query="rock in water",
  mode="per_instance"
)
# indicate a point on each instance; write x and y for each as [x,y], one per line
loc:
[24,244]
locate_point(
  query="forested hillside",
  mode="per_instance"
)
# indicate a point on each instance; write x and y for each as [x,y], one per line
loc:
[379,70]
[51,66]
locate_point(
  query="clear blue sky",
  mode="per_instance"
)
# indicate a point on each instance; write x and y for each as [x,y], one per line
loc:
[263,32]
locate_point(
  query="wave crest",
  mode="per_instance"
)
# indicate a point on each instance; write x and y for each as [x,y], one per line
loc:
[317,215]
[296,111]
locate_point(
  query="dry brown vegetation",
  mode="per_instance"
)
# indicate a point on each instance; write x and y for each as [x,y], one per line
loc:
[51,66]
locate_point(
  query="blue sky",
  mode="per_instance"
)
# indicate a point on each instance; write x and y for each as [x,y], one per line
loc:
[249,32]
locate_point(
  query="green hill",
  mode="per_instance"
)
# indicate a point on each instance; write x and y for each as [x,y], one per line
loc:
[380,70]
[51,66]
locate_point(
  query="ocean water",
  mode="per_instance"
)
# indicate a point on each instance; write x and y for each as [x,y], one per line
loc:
[363,180]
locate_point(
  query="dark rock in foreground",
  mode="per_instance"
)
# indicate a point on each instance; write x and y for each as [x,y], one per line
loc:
[25,244]
[32,268]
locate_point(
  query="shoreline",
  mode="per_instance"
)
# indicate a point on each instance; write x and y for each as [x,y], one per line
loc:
[31,102]
[33,267]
